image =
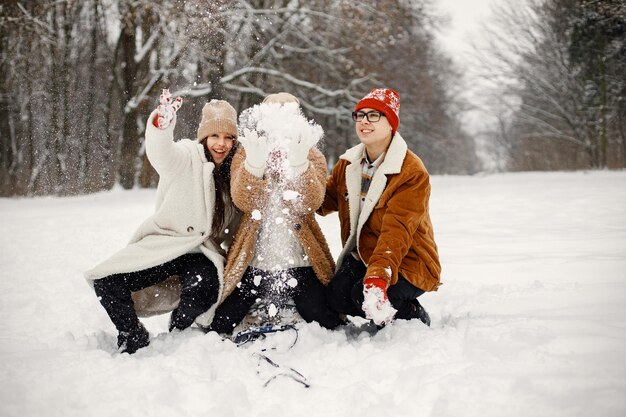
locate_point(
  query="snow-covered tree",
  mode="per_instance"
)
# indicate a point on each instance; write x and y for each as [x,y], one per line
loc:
[79,78]
[558,67]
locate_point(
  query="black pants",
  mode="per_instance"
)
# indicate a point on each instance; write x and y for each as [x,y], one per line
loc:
[200,287]
[345,291]
[308,296]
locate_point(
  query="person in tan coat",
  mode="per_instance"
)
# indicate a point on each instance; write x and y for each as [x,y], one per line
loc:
[381,190]
[279,249]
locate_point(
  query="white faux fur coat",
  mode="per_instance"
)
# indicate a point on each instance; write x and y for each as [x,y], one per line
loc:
[180,224]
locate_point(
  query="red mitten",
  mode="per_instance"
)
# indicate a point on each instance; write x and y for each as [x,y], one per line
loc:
[166,110]
[370,283]
[376,305]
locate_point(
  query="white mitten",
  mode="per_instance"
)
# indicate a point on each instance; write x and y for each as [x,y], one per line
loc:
[166,109]
[299,148]
[256,151]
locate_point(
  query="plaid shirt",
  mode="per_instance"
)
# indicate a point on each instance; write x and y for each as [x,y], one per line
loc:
[368,169]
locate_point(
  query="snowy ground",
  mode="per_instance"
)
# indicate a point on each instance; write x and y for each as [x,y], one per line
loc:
[530,320]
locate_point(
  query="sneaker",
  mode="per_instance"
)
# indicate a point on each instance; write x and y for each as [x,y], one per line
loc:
[131,342]
[420,313]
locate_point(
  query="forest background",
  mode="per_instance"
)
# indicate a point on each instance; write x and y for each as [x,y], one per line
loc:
[79,78]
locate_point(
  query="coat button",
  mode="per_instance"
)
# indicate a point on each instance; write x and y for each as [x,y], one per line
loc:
[297,226]
[190,229]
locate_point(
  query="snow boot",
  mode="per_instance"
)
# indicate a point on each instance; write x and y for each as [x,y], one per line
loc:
[131,342]
[420,313]
[179,321]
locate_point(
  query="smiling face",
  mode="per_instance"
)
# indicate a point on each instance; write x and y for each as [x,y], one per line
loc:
[219,145]
[376,136]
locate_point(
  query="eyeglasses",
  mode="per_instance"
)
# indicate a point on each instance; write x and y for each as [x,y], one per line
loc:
[371,116]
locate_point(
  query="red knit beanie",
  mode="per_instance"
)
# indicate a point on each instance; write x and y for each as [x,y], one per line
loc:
[386,101]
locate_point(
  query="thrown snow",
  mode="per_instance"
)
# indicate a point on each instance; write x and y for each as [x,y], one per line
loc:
[278,124]
[256,215]
[529,321]
[284,129]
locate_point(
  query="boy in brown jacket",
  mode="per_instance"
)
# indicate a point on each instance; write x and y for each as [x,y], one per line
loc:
[381,190]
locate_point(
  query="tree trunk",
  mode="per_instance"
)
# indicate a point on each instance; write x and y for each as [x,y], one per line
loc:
[85,183]
[130,135]
[602,134]
[68,139]
[6,97]
[54,179]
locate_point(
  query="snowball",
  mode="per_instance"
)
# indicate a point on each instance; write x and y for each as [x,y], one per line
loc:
[272,310]
[292,282]
[256,215]
[376,309]
[289,195]
[257,280]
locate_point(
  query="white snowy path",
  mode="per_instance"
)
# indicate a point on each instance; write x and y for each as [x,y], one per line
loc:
[530,320]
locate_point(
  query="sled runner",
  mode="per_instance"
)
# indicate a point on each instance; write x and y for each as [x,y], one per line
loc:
[266,318]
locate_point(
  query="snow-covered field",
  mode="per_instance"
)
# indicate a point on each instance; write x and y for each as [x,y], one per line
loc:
[530,321]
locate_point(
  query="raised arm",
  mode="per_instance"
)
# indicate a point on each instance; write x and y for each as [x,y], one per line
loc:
[161,150]
[248,190]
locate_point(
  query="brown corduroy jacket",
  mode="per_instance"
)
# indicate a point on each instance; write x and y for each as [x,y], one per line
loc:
[249,194]
[392,232]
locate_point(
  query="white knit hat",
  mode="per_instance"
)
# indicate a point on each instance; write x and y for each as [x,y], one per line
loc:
[217,116]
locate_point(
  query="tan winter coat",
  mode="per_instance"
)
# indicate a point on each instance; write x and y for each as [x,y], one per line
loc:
[249,194]
[392,233]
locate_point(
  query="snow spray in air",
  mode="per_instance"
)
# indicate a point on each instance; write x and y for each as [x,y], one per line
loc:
[278,248]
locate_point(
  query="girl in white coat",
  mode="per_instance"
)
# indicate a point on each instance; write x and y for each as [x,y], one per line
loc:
[186,237]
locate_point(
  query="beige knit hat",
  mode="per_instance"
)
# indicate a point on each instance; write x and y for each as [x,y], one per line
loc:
[281,98]
[217,116]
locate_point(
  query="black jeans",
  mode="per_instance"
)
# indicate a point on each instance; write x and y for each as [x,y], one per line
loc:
[345,291]
[308,296]
[200,287]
